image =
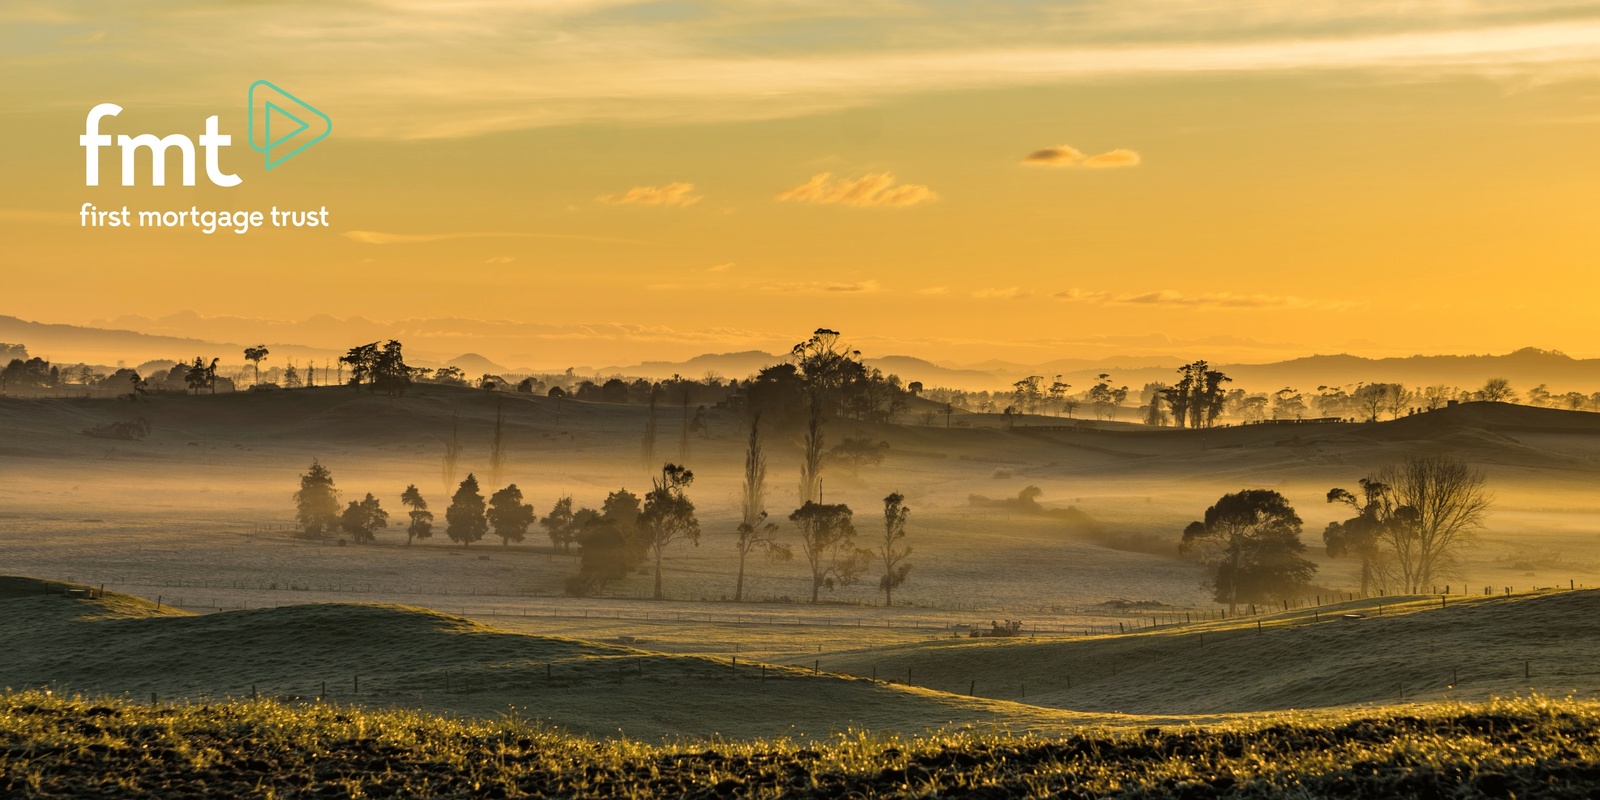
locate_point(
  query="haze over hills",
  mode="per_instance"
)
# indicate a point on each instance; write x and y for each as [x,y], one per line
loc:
[1525,368]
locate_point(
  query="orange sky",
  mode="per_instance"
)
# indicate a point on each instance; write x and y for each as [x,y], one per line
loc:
[617,181]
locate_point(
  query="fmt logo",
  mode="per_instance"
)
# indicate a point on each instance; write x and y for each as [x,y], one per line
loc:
[266,110]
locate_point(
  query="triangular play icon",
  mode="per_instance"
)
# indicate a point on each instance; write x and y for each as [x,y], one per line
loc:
[277,132]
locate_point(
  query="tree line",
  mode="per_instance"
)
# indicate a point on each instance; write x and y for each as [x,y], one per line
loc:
[628,531]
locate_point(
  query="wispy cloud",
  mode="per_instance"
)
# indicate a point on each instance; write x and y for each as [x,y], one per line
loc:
[858,287]
[1173,299]
[934,290]
[873,189]
[1069,156]
[720,267]
[1008,293]
[672,195]
[449,72]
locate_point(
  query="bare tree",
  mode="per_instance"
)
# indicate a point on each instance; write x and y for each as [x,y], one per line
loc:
[1497,390]
[1448,500]
[755,532]
[895,569]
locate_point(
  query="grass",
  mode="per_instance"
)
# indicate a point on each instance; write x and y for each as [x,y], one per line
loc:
[60,747]
[1473,648]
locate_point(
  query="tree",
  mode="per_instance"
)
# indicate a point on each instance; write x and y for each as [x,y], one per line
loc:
[668,515]
[1197,398]
[509,516]
[452,452]
[362,519]
[755,532]
[1372,399]
[647,445]
[1251,541]
[317,502]
[895,568]
[827,536]
[1497,390]
[1288,404]
[497,445]
[465,519]
[858,453]
[291,377]
[363,361]
[811,463]
[1377,518]
[559,525]
[1448,501]
[256,355]
[421,518]
[1104,398]
[604,555]
[199,376]
[390,374]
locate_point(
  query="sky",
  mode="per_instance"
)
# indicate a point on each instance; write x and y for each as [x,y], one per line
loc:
[603,182]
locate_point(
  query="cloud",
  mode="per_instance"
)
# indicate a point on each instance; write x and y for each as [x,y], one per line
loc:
[673,195]
[500,260]
[873,189]
[1008,293]
[720,267]
[448,71]
[1064,156]
[934,290]
[1112,159]
[859,287]
[1068,156]
[1168,298]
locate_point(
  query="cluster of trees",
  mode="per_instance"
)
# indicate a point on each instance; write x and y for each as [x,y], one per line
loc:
[1411,521]
[628,531]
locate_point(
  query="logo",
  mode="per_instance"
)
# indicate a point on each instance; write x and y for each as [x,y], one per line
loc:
[282,125]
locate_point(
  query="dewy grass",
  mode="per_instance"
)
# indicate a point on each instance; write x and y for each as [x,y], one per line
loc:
[54,746]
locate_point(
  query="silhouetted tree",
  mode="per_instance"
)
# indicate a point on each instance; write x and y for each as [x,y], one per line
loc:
[858,453]
[1497,390]
[827,536]
[895,568]
[509,516]
[811,459]
[755,532]
[256,355]
[1251,540]
[1363,536]
[421,518]
[559,525]
[668,515]
[497,445]
[465,518]
[362,519]
[390,373]
[452,452]
[317,502]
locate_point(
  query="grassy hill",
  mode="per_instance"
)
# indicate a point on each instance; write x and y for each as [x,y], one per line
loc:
[1400,648]
[412,657]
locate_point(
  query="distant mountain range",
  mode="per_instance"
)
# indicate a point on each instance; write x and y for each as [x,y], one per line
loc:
[1524,368]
